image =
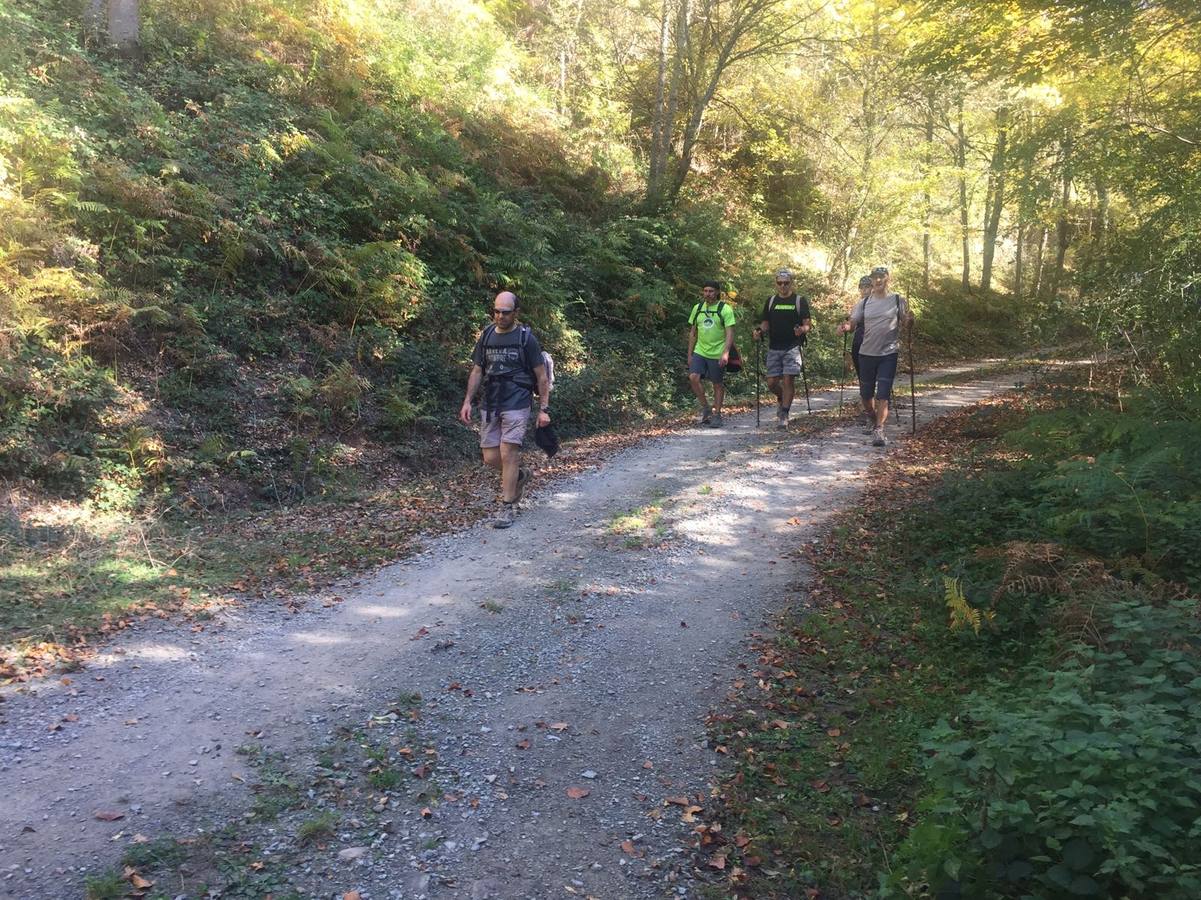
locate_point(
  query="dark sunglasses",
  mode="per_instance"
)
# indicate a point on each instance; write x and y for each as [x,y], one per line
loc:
[782,283]
[502,312]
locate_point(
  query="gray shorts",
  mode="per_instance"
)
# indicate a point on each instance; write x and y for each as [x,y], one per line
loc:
[783,362]
[505,427]
[708,369]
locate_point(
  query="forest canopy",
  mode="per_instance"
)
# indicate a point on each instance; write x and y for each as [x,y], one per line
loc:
[223,212]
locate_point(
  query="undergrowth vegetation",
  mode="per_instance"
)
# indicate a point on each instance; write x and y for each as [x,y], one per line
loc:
[993,688]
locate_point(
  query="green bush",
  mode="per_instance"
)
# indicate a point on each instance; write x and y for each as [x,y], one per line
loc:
[1079,780]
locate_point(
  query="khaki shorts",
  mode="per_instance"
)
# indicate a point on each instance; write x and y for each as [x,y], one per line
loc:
[783,362]
[505,427]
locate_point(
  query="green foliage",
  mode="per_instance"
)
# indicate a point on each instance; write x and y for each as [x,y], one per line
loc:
[1077,780]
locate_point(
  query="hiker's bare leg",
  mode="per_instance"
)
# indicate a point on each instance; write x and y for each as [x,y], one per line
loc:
[510,459]
[869,407]
[694,382]
[491,457]
[881,413]
[787,388]
[773,385]
[719,394]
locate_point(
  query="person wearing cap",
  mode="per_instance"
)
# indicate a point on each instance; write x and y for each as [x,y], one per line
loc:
[865,285]
[507,360]
[709,341]
[883,314]
[786,320]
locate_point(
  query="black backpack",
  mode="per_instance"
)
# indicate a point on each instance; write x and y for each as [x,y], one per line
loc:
[528,380]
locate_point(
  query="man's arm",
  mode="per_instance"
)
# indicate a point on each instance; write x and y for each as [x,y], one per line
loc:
[543,396]
[691,343]
[473,385]
[725,353]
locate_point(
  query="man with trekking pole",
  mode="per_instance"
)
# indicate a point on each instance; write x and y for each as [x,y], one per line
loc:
[509,363]
[786,320]
[883,314]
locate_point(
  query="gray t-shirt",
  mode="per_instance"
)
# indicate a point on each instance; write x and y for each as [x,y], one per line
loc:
[881,318]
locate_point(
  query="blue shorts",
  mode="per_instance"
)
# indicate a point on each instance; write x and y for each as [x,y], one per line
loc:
[708,369]
[876,375]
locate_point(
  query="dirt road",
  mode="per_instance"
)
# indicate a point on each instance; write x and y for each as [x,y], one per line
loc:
[576,652]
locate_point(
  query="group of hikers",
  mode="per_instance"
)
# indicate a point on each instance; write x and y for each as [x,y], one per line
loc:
[508,362]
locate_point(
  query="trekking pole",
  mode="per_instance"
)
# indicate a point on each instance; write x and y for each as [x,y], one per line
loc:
[843,382]
[805,380]
[757,342]
[912,389]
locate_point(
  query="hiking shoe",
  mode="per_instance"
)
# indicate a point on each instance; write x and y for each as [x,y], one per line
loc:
[782,419]
[506,516]
[878,438]
[523,476]
[715,421]
[703,416]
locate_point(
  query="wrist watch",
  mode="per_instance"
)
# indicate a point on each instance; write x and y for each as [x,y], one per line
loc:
[546,409]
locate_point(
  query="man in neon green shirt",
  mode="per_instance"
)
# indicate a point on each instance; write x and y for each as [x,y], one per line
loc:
[709,343]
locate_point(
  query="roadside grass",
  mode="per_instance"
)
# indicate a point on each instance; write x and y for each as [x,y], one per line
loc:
[966,567]
[70,574]
[644,526]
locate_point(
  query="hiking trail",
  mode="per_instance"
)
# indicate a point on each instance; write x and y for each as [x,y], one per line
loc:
[565,668]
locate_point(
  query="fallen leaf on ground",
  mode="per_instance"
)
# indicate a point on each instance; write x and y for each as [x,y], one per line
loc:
[108,815]
[523,744]
[578,793]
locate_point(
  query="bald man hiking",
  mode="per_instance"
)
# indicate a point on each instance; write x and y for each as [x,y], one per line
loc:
[507,360]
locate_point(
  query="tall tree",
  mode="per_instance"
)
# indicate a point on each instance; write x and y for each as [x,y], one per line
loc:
[994,198]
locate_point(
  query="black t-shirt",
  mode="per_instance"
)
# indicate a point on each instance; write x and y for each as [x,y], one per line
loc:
[509,380]
[780,313]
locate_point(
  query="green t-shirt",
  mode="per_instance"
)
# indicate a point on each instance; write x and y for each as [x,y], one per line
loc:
[711,328]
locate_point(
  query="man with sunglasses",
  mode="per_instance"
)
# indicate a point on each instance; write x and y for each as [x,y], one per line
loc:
[507,360]
[786,320]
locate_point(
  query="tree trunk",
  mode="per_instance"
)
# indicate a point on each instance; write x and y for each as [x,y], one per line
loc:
[927,198]
[1061,226]
[996,198]
[1017,261]
[679,56]
[1037,289]
[117,23]
[125,25]
[965,234]
[659,127]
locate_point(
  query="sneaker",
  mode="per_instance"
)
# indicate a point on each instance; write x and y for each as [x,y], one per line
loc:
[782,419]
[878,438]
[505,517]
[715,421]
[704,415]
[523,476]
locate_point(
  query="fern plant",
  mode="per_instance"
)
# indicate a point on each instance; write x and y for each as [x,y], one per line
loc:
[963,614]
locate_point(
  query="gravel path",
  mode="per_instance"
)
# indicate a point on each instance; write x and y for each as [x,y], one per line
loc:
[565,653]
